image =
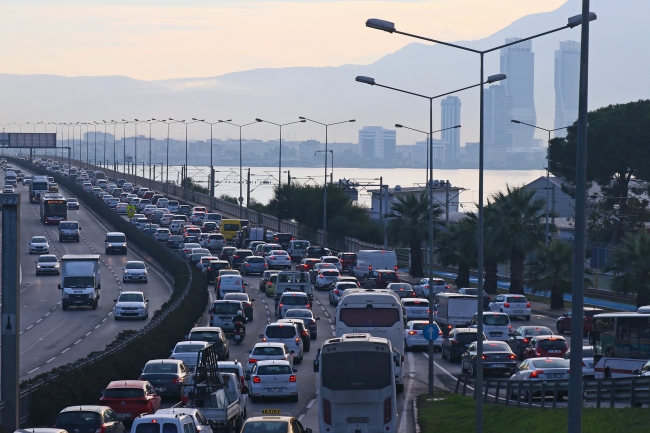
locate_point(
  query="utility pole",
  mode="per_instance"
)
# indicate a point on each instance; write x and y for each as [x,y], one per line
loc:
[447,203]
[248,190]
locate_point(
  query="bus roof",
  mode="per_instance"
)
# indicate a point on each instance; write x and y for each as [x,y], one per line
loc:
[356,296]
[622,314]
[356,338]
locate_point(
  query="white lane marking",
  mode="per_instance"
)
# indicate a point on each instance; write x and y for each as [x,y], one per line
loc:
[97,326]
[104,319]
[407,396]
[31,371]
[48,314]
[78,341]
[88,333]
[301,417]
[332,326]
[30,327]
[50,360]
[39,320]
[311,403]
[64,351]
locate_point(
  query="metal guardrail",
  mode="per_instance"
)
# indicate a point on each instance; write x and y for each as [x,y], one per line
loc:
[621,392]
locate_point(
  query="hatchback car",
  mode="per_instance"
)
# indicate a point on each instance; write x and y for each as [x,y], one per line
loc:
[403,290]
[89,419]
[47,264]
[168,376]
[162,234]
[439,286]
[303,330]
[457,342]
[188,352]
[520,338]
[215,242]
[209,227]
[174,241]
[246,301]
[380,278]
[39,245]
[416,308]
[269,351]
[272,379]
[307,316]
[414,338]
[134,271]
[563,323]
[131,305]
[337,290]
[553,346]
[172,205]
[286,333]
[73,203]
[278,259]
[130,398]
[289,300]
[212,335]
[497,358]
[226,253]
[326,279]
[347,260]
[213,269]
[253,265]
[8,189]
[495,325]
[539,369]
[513,305]
[333,260]
[238,257]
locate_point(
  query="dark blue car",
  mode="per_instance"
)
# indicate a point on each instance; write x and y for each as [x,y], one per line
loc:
[238,258]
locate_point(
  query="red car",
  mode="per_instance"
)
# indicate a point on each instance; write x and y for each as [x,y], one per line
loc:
[130,398]
[564,321]
[552,346]
[347,260]
[308,264]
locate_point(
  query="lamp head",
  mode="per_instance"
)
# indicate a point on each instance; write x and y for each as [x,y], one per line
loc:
[576,20]
[495,78]
[257,119]
[301,118]
[376,23]
[352,121]
[397,125]
[515,121]
[457,126]
[365,80]
[171,118]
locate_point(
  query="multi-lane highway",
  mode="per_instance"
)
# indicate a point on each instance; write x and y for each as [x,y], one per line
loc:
[51,337]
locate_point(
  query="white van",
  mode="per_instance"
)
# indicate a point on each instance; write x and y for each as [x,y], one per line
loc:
[159,421]
[230,284]
[496,326]
[367,260]
[297,248]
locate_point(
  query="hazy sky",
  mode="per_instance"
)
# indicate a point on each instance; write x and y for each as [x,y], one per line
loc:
[155,39]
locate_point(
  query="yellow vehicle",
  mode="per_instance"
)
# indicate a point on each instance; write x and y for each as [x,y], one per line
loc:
[53,187]
[229,228]
[270,285]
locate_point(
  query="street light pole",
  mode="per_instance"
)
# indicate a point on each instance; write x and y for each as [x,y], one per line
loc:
[326,125]
[548,168]
[280,154]
[170,121]
[241,192]
[389,27]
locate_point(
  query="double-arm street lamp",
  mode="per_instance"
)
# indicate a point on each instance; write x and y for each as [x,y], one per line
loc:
[168,122]
[371,81]
[398,125]
[576,360]
[326,125]
[280,125]
[187,176]
[211,163]
[241,178]
[548,166]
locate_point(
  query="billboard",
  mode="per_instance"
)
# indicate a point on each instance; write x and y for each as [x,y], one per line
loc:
[28,139]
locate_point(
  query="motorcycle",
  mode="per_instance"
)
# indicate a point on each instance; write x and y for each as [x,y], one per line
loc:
[240,333]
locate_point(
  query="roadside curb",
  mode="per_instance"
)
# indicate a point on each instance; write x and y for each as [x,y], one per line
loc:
[415,415]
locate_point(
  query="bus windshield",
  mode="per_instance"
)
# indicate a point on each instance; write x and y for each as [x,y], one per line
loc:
[625,336]
[55,208]
[356,371]
[382,317]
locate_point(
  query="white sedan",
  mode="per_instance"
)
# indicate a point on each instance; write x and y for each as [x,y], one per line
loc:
[134,271]
[512,305]
[39,245]
[273,378]
[8,189]
[439,286]
[413,337]
[416,308]
[278,259]
[540,369]
[131,305]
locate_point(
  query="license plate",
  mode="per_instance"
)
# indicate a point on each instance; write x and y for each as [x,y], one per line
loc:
[419,311]
[161,389]
[357,420]
[496,334]
[498,365]
[555,375]
[275,389]
[554,351]
[124,415]
[519,311]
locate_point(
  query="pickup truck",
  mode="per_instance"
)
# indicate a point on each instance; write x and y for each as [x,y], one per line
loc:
[225,409]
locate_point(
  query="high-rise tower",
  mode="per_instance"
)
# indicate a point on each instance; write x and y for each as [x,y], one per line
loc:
[450,108]
[567,80]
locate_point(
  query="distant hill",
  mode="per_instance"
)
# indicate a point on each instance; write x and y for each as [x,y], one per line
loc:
[620,41]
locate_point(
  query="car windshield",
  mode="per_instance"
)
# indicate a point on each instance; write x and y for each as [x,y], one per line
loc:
[416,303]
[188,348]
[542,330]
[130,297]
[294,300]
[496,347]
[268,351]
[330,273]
[47,259]
[231,227]
[264,427]
[79,418]
[300,245]
[39,240]
[280,331]
[553,344]
[226,307]
[496,320]
[419,326]
[274,369]
[516,299]
[72,200]
[349,256]
[297,312]
[400,286]
[78,282]
[466,337]
[279,253]
[115,238]
[124,393]
[209,336]
[161,367]
[550,363]
[255,260]
[68,225]
[135,265]
[236,296]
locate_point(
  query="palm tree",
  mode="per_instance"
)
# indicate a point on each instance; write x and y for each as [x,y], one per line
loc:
[518,229]
[631,263]
[457,247]
[408,221]
[552,271]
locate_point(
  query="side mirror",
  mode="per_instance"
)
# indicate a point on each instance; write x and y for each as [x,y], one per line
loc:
[79,228]
[635,371]
[35,261]
[249,351]
[244,390]
[102,392]
[292,352]
[318,318]
[261,336]
[59,286]
[316,365]
[252,300]
[295,370]
[114,300]
[308,430]
[247,376]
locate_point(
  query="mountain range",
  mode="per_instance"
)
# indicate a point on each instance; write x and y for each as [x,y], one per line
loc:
[619,43]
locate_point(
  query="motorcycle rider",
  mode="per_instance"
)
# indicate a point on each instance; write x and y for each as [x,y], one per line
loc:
[239,317]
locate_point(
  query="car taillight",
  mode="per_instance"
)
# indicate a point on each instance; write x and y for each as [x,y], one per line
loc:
[336,291]
[292,378]
[526,340]
[269,283]
[536,373]
[257,379]
[243,382]
[506,305]
[247,264]
[252,360]
[528,305]
[413,294]
[101,429]
[175,380]
[236,257]
[308,306]
[395,268]
[327,412]
[305,333]
[370,268]
[263,338]
[485,357]
[412,332]
[512,356]
[297,341]
[453,342]
[388,408]
[280,305]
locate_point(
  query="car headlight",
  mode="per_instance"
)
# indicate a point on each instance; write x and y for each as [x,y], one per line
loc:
[91,295]
[124,244]
[65,295]
[38,266]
